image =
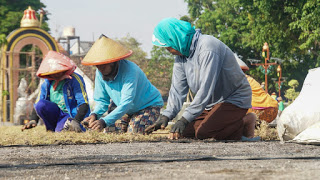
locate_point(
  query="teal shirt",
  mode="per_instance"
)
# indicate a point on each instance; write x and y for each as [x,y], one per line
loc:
[131,91]
[56,96]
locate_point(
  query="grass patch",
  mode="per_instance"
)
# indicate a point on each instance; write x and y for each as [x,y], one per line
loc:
[265,132]
[13,135]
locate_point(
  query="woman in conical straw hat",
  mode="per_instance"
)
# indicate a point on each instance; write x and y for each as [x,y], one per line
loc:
[62,102]
[125,83]
[209,69]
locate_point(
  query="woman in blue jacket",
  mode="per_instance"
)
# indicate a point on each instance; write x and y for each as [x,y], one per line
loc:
[62,102]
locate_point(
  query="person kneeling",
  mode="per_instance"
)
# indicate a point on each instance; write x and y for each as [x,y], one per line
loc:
[209,69]
[62,102]
[137,101]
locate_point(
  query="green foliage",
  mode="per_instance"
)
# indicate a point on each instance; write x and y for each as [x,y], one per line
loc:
[291,28]
[5,93]
[186,18]
[11,12]
[291,93]
[159,69]
[138,56]
[305,19]
[3,39]
[293,83]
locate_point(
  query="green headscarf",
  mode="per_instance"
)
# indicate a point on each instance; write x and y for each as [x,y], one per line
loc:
[174,33]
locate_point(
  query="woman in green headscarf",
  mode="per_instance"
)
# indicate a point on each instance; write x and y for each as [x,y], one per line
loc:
[209,69]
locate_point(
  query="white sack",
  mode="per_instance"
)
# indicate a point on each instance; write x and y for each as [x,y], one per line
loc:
[304,111]
[309,136]
[89,87]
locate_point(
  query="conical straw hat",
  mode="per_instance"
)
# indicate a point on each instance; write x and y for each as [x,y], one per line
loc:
[55,62]
[104,51]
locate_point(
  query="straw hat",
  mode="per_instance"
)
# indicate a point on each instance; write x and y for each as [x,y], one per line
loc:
[104,51]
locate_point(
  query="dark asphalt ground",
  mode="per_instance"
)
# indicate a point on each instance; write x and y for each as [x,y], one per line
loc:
[162,160]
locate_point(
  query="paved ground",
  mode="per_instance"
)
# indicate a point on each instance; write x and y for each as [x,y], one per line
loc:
[163,160]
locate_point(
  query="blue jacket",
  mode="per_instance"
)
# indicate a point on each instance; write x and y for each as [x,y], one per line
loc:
[74,93]
[130,90]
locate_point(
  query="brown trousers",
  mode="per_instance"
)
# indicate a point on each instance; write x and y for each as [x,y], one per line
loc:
[222,122]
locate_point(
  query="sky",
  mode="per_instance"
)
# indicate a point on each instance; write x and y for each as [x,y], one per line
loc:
[113,18]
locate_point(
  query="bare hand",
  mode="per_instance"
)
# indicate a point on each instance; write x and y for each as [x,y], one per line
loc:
[29,125]
[174,136]
[88,120]
[97,125]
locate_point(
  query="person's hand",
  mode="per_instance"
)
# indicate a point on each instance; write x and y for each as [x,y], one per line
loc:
[29,125]
[161,123]
[97,125]
[177,128]
[72,125]
[75,126]
[88,120]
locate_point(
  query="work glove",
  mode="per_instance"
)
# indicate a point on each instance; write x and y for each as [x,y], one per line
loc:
[29,125]
[72,125]
[161,123]
[179,126]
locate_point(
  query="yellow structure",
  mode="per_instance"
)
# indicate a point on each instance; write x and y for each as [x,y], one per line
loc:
[29,34]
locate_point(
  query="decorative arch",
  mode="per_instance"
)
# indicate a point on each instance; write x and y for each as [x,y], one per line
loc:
[10,62]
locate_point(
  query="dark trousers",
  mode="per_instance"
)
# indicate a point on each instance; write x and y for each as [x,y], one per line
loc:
[222,122]
[53,117]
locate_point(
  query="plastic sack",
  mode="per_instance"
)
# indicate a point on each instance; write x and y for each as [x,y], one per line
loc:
[304,111]
[309,136]
[89,87]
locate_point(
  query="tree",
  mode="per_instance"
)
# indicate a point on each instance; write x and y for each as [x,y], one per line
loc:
[291,93]
[11,12]
[291,29]
[160,67]
[138,56]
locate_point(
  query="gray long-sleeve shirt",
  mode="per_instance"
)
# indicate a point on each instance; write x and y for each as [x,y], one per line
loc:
[212,73]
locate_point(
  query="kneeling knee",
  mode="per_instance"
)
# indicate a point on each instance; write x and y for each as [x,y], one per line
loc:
[201,134]
[40,104]
[249,118]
